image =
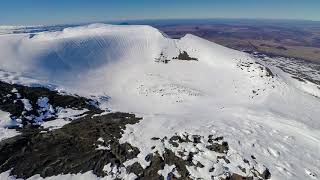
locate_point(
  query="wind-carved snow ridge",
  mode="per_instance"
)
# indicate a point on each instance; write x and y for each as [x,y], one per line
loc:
[201,88]
[73,52]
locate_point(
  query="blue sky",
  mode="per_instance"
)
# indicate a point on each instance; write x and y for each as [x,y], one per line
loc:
[74,11]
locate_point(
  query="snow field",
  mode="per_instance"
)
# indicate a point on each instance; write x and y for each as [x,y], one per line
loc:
[225,93]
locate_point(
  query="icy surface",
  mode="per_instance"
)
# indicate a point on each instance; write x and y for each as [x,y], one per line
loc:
[225,92]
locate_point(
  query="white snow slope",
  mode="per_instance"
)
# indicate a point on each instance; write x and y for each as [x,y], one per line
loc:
[225,93]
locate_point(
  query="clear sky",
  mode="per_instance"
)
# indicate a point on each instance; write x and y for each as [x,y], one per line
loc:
[13,12]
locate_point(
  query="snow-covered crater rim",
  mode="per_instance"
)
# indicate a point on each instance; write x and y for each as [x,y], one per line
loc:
[101,29]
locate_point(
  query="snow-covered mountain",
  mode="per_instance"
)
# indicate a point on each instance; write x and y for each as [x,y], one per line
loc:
[187,85]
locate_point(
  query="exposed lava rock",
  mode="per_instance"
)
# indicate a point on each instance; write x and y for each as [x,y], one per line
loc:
[157,163]
[11,96]
[185,56]
[269,72]
[91,143]
[184,152]
[72,149]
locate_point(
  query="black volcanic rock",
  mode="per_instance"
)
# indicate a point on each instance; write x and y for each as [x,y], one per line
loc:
[11,96]
[185,56]
[71,149]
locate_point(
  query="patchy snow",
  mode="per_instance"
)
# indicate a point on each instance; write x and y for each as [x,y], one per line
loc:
[14,90]
[117,173]
[64,116]
[43,103]
[63,113]
[45,110]
[55,124]
[80,176]
[208,157]
[100,140]
[5,123]
[224,93]
[100,147]
[166,171]
[26,103]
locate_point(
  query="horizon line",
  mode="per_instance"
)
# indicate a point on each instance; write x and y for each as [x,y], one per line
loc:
[161,19]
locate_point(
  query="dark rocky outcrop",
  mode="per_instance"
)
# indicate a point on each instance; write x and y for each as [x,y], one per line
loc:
[11,96]
[182,158]
[185,56]
[91,143]
[71,149]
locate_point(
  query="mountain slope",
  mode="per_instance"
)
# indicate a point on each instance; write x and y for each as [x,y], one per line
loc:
[216,90]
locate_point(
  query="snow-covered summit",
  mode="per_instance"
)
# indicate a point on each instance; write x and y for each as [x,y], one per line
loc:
[74,52]
[77,49]
[177,85]
[100,29]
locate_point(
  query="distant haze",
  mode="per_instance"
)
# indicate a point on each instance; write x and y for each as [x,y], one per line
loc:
[15,12]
